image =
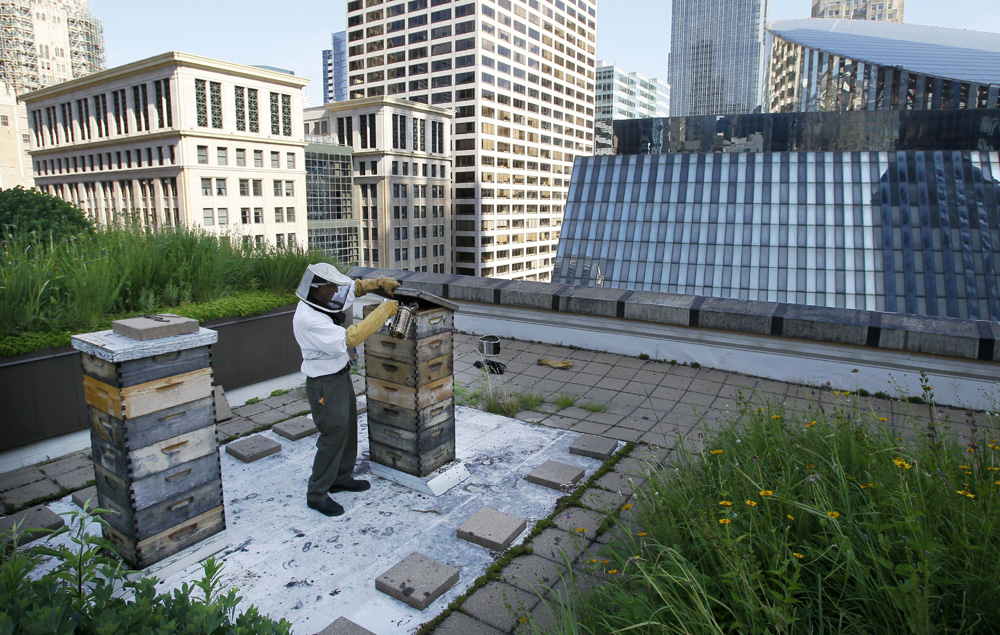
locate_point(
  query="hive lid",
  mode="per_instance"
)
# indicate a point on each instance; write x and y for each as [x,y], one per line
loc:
[151,327]
[423,299]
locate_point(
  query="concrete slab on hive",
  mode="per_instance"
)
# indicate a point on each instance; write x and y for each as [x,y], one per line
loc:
[344,626]
[295,429]
[593,446]
[253,448]
[39,517]
[491,528]
[153,327]
[417,580]
[555,475]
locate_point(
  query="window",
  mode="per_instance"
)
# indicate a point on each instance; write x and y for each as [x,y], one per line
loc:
[241,157]
[277,188]
[289,188]
[203,155]
[223,156]
[258,158]
[200,102]
[279,241]
[245,215]
[220,187]
[223,215]
[4,120]
[275,159]
[258,187]
[291,239]
[206,187]
[258,215]
[290,159]
[209,215]
[244,187]
[215,89]
[279,215]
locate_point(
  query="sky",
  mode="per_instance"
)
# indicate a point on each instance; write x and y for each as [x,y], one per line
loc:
[292,34]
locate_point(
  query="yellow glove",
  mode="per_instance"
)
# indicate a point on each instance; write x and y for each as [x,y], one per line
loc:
[357,333]
[555,363]
[382,283]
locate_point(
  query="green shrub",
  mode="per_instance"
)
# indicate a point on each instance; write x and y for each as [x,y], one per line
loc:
[82,593]
[32,212]
[789,525]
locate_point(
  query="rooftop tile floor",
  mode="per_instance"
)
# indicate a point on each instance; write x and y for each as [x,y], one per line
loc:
[650,402]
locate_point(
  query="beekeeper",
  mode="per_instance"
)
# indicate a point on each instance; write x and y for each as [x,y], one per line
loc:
[325,295]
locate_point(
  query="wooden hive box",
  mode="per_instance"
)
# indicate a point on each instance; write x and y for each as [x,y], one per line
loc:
[153,436]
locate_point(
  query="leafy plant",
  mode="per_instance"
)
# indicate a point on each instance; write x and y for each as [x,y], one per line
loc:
[32,212]
[594,407]
[566,400]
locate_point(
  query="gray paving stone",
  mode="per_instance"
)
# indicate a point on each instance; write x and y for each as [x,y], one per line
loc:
[591,428]
[417,580]
[602,500]
[559,546]
[632,467]
[20,478]
[76,479]
[579,520]
[234,428]
[296,407]
[23,495]
[222,410]
[561,422]
[39,517]
[532,573]
[499,605]
[268,417]
[81,496]
[461,624]
[618,482]
[249,409]
[530,416]
[295,429]
[344,626]
[555,475]
[491,528]
[253,448]
[595,447]
[66,464]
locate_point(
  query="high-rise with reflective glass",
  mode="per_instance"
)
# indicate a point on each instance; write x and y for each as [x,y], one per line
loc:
[877,10]
[716,49]
[520,76]
[335,69]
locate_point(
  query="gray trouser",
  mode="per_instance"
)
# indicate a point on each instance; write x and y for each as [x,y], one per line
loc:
[337,420]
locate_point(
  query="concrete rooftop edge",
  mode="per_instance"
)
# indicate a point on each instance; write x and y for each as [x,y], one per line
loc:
[949,337]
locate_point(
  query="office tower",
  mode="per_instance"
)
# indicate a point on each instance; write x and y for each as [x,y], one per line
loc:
[403,192]
[879,10]
[335,69]
[819,65]
[177,139]
[520,76]
[333,225]
[716,52]
[41,43]
[628,95]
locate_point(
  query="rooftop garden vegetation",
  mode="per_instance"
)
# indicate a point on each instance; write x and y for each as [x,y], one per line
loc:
[60,275]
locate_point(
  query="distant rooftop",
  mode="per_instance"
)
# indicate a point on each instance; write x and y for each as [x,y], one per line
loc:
[972,56]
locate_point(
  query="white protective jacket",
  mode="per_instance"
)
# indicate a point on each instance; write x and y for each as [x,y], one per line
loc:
[323,343]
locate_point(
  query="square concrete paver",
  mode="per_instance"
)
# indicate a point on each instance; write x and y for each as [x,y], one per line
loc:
[461,624]
[559,545]
[295,429]
[532,573]
[267,417]
[417,580]
[618,482]
[579,521]
[253,448]
[81,496]
[34,518]
[344,626]
[23,495]
[492,529]
[66,465]
[555,475]
[599,448]
[76,479]
[20,478]
[499,605]
[602,500]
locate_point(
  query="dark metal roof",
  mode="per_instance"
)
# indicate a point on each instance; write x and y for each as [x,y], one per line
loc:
[972,56]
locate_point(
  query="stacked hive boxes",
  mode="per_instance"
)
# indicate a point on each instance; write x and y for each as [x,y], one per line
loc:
[153,435]
[410,387]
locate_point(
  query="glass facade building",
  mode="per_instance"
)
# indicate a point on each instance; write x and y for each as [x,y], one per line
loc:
[817,65]
[335,69]
[716,54]
[805,218]
[332,224]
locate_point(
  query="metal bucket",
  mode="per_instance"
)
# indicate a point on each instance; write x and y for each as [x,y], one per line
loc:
[489,345]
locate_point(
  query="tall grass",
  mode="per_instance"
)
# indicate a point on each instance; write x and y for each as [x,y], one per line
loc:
[76,284]
[783,524]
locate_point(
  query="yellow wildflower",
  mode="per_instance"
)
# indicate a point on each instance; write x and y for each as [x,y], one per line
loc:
[581,530]
[883,419]
[714,452]
[627,506]
[811,423]
[766,492]
[865,485]
[605,561]
[726,503]
[724,521]
[641,534]
[612,571]
[789,517]
[996,482]
[752,503]
[797,555]
[963,467]
[809,466]
[833,514]
[994,446]
[775,416]
[592,561]
[965,493]
[901,463]
[993,469]
[970,450]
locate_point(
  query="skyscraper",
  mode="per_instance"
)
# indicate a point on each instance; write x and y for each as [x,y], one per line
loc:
[42,42]
[716,49]
[628,95]
[520,75]
[879,10]
[335,69]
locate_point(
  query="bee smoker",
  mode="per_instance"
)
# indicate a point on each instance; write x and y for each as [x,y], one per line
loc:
[399,327]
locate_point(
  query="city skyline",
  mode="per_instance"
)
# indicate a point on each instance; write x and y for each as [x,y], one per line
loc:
[254,37]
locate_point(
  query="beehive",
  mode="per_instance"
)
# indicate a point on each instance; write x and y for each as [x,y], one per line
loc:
[410,388]
[153,436]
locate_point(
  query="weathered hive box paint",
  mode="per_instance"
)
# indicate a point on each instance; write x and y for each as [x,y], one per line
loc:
[155,449]
[410,389]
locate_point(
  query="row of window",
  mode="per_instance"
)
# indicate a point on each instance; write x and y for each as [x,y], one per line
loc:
[406,165]
[400,190]
[281,188]
[246,101]
[220,216]
[118,160]
[222,157]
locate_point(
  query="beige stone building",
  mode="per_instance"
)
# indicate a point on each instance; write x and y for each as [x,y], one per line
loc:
[402,178]
[877,10]
[42,42]
[177,139]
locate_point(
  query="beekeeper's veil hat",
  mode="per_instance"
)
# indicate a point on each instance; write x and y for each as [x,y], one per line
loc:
[317,275]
